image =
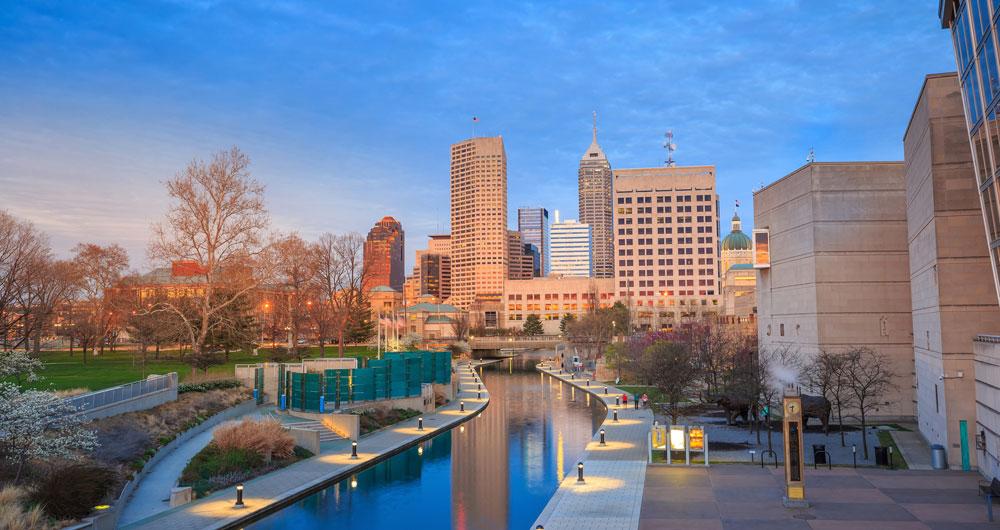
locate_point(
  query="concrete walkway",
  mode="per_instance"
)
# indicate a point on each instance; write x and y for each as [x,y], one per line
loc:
[614,474]
[217,510]
[914,448]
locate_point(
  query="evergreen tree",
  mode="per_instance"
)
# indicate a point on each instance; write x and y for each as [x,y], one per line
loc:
[566,321]
[360,326]
[533,325]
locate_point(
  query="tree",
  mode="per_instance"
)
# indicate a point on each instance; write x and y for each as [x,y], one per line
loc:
[825,375]
[868,379]
[20,365]
[460,327]
[21,246]
[99,270]
[39,425]
[339,278]
[616,357]
[533,325]
[217,221]
[296,269]
[566,322]
[50,284]
[672,369]
[775,369]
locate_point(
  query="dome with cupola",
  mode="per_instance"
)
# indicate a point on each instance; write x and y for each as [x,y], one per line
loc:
[736,240]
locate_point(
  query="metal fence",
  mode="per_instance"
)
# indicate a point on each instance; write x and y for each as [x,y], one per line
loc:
[110,396]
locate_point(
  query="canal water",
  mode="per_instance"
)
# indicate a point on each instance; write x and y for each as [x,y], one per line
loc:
[497,471]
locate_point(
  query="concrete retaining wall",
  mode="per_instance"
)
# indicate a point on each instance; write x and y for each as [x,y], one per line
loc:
[347,426]
[306,439]
[109,519]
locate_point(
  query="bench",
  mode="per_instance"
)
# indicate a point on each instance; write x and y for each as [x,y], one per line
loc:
[990,491]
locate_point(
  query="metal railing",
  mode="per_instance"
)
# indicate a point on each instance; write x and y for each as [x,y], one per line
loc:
[110,396]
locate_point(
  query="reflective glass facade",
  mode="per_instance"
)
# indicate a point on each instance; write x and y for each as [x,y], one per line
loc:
[973,25]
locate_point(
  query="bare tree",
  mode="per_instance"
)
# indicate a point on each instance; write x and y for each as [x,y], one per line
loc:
[868,379]
[339,278]
[825,375]
[99,271]
[672,369]
[21,245]
[775,369]
[295,271]
[47,287]
[218,221]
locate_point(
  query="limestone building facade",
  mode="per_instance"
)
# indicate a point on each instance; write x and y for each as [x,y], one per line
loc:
[839,273]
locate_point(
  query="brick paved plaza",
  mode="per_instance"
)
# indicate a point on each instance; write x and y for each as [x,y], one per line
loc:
[737,496]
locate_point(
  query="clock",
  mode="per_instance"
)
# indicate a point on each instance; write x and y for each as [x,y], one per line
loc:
[792,408]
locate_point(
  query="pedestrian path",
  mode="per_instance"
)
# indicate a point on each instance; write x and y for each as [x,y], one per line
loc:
[334,462]
[152,495]
[610,497]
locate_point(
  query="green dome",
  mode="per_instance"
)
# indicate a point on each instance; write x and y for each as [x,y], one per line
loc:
[736,240]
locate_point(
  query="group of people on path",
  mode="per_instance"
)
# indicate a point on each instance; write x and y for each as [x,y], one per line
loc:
[640,402]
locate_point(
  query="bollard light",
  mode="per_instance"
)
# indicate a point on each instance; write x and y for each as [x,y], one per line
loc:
[579,472]
[420,423]
[480,386]
[854,454]
[539,527]
[605,390]
[588,382]
[602,437]
[461,406]
[354,449]
[239,496]
[479,395]
[616,415]
[617,401]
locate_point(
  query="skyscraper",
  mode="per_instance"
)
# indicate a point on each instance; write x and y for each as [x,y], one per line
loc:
[571,253]
[596,209]
[533,223]
[667,244]
[478,220]
[383,255]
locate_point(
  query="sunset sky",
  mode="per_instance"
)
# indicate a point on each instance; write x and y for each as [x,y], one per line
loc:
[348,110]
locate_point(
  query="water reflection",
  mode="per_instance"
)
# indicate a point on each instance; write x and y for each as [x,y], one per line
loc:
[499,472]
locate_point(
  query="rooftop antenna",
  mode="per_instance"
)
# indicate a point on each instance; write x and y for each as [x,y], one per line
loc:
[595,126]
[811,157]
[670,146]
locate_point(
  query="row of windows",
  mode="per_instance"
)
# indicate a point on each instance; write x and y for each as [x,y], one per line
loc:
[664,198]
[670,302]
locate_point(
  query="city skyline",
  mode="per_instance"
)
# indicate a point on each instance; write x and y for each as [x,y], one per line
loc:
[121,94]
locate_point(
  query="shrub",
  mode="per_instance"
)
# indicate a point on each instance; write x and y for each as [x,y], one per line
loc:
[220,384]
[71,491]
[14,515]
[265,437]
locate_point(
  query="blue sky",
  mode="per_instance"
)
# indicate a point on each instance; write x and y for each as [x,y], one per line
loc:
[348,109]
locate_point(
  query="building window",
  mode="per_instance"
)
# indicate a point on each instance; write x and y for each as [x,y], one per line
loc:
[781,330]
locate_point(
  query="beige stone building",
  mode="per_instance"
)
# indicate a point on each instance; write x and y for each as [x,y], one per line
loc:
[953,299]
[739,279]
[666,243]
[479,242]
[596,208]
[839,274]
[553,297]
[432,270]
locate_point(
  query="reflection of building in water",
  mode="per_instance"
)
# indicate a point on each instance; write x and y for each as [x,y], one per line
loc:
[479,486]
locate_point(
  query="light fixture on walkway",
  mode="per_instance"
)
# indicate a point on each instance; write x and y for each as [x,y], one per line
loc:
[616,415]
[420,423]
[354,449]
[239,496]
[618,401]
[605,391]
[461,406]
[579,472]
[602,437]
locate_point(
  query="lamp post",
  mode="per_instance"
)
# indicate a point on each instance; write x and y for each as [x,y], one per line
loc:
[602,437]
[461,406]
[354,449]
[579,472]
[616,415]
[420,423]
[239,496]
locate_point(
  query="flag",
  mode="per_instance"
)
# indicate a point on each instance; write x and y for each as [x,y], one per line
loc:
[475,119]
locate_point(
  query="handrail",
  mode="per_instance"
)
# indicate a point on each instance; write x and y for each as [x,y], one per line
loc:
[109,396]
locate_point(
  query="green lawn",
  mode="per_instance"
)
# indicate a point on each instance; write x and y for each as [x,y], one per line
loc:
[655,396]
[885,440]
[63,371]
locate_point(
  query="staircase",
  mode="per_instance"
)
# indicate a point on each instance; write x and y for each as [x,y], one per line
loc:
[325,435]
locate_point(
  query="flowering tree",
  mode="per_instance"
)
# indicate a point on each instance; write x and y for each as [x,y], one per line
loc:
[36,424]
[20,365]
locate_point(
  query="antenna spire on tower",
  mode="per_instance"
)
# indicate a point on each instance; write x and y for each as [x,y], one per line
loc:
[811,157]
[595,126]
[670,146]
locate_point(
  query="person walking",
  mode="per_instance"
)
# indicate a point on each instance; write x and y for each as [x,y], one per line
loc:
[636,400]
[624,399]
[645,400]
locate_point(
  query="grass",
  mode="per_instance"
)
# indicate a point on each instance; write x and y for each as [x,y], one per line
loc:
[64,371]
[885,440]
[374,420]
[655,395]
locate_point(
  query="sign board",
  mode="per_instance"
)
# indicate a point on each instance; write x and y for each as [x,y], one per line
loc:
[659,437]
[677,438]
[697,438]
[761,249]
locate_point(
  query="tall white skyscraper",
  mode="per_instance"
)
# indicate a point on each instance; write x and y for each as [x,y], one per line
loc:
[570,247]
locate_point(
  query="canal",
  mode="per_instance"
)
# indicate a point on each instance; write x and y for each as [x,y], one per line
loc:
[497,471]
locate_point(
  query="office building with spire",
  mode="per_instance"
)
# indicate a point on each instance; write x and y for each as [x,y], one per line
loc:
[479,236]
[596,209]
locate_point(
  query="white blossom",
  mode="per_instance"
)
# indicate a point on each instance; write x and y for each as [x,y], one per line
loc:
[20,364]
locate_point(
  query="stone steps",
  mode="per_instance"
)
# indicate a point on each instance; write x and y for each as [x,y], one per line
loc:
[325,435]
